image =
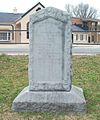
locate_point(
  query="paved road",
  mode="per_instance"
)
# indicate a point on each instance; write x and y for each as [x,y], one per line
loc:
[76,50]
[86,49]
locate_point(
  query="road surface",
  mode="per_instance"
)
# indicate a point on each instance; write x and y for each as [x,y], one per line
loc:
[86,49]
[76,50]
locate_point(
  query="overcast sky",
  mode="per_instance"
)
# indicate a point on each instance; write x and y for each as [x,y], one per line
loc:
[24,5]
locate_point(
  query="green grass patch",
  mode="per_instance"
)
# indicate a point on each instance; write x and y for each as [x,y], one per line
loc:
[14,77]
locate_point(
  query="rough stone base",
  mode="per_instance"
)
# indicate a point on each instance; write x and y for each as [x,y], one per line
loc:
[50,101]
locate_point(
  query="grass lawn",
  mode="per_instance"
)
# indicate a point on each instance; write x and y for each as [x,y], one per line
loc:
[14,77]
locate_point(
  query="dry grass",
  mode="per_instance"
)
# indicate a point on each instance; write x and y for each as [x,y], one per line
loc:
[14,77]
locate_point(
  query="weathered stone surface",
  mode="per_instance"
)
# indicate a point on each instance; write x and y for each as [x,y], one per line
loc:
[50,101]
[50,50]
[51,13]
[50,88]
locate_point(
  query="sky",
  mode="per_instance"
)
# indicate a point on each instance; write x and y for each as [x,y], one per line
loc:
[24,5]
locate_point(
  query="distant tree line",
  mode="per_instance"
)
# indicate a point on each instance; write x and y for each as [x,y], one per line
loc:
[82,10]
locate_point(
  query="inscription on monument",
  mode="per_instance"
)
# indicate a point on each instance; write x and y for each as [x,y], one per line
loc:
[48,54]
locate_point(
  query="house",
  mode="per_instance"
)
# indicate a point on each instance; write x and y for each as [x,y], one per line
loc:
[14,27]
[79,35]
[85,30]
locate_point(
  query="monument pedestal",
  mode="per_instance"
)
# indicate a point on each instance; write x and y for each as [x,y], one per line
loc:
[50,101]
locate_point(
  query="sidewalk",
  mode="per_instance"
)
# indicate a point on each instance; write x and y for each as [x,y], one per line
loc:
[14,46]
[79,45]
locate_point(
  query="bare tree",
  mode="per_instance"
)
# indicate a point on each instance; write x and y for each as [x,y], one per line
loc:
[82,11]
[69,8]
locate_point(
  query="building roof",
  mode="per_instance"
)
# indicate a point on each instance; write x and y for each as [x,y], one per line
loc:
[76,28]
[12,17]
[90,19]
[9,17]
[33,8]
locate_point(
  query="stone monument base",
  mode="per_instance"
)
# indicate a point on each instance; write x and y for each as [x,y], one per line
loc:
[50,101]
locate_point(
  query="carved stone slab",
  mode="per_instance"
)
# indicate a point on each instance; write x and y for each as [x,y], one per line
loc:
[50,51]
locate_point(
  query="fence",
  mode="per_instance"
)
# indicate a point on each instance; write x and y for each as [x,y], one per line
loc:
[22,37]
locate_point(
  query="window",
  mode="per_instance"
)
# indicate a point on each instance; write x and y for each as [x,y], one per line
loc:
[72,38]
[85,37]
[76,36]
[85,25]
[92,38]
[4,36]
[28,30]
[38,9]
[94,26]
[81,37]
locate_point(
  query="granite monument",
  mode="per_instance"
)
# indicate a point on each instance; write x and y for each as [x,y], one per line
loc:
[50,66]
